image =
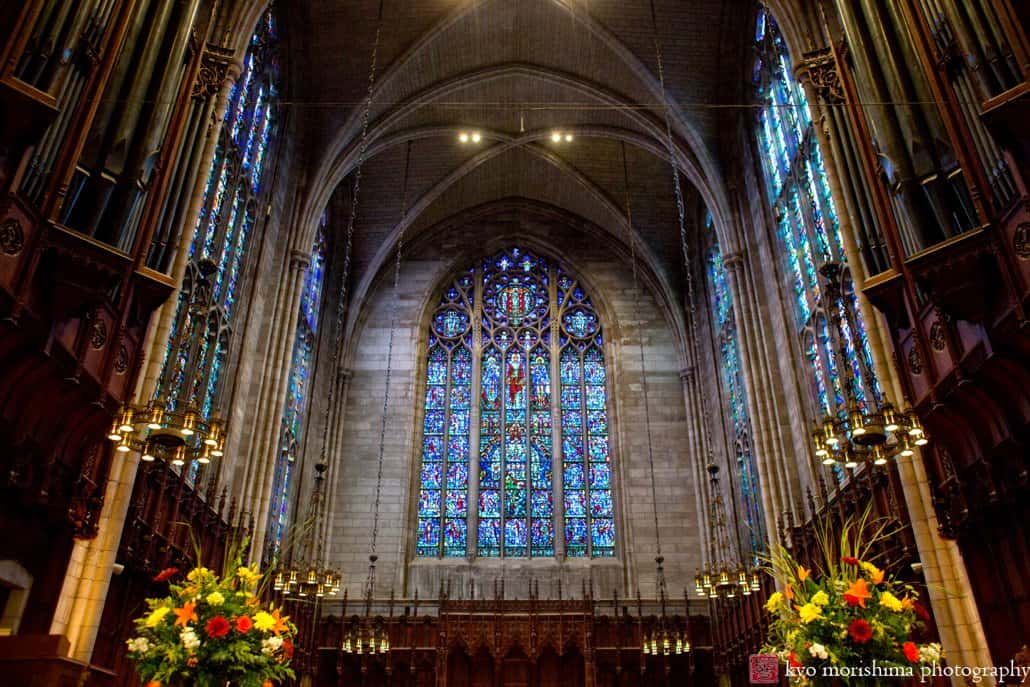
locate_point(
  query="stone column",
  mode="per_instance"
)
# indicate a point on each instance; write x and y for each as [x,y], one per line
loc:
[773,468]
[958,619]
[336,427]
[696,450]
[80,605]
[262,449]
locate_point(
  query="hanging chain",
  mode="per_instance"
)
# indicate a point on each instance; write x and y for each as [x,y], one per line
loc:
[630,237]
[341,305]
[389,347]
[688,266]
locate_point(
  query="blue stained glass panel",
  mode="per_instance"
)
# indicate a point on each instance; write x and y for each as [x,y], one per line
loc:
[575,537]
[434,423]
[574,477]
[428,536]
[457,476]
[575,504]
[598,448]
[597,422]
[602,534]
[515,539]
[541,507]
[432,476]
[516,501]
[572,449]
[600,476]
[455,537]
[428,503]
[490,504]
[435,397]
[456,505]
[600,504]
[433,448]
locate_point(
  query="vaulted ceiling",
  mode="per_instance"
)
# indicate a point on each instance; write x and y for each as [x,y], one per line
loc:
[517,70]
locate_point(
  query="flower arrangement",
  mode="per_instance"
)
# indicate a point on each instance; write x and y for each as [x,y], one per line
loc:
[849,615]
[211,631]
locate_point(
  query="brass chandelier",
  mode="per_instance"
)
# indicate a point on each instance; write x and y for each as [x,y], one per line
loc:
[163,430]
[723,578]
[667,637]
[309,577]
[366,634]
[860,433]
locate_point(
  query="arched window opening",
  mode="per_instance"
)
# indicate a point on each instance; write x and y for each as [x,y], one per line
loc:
[234,200]
[516,383]
[807,224]
[297,391]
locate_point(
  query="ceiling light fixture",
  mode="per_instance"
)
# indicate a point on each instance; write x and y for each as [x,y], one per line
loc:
[561,136]
[470,136]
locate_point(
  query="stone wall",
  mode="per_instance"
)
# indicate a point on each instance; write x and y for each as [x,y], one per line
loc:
[606,270]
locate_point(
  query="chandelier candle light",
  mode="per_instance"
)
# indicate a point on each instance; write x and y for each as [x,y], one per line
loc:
[859,433]
[161,430]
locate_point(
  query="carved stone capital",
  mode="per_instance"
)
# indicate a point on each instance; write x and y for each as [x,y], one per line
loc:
[216,66]
[299,260]
[733,261]
[819,68]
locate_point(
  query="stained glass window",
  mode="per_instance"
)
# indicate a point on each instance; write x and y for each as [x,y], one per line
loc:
[520,336]
[733,389]
[198,345]
[298,390]
[806,221]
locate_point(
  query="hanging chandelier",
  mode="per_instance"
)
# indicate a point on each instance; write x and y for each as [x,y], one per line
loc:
[309,577]
[860,433]
[723,578]
[667,637]
[163,430]
[366,634]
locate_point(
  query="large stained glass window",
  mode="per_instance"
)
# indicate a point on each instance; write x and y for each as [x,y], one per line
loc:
[234,199]
[297,390]
[516,384]
[806,217]
[733,389]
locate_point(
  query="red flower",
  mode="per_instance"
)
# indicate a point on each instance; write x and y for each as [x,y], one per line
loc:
[217,627]
[288,649]
[243,624]
[860,630]
[165,574]
[911,651]
[849,560]
[921,612]
[794,662]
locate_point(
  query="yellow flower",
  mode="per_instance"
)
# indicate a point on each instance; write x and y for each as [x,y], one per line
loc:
[774,601]
[820,598]
[803,573]
[875,574]
[892,602]
[248,575]
[199,574]
[264,621]
[809,612]
[156,616]
[215,599]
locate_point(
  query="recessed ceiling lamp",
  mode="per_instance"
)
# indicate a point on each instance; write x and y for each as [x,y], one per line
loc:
[467,136]
[559,136]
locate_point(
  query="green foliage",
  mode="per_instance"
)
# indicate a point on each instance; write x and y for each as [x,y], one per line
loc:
[211,629]
[846,611]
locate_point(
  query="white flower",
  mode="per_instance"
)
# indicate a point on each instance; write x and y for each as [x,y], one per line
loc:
[189,638]
[270,645]
[139,645]
[818,651]
[930,653]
